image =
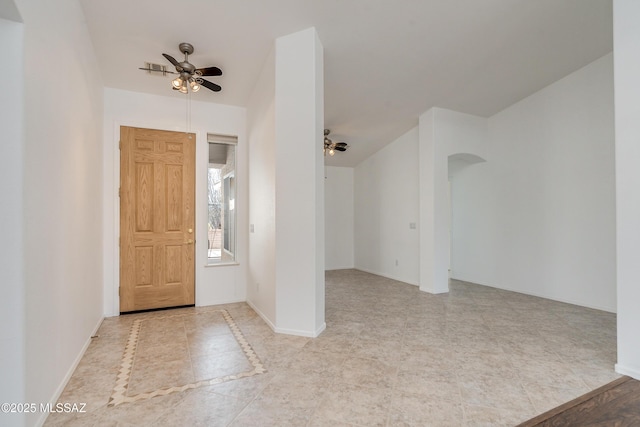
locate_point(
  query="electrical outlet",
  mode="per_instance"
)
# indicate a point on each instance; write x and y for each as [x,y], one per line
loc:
[396,263]
[412,225]
[251,228]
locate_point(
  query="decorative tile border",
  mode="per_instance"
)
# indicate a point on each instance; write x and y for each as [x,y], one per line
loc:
[119,394]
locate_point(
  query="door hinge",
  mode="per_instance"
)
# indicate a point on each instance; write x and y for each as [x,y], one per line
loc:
[120,144]
[119,241]
[119,191]
[119,294]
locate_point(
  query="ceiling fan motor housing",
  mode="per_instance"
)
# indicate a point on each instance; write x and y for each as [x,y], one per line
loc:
[188,67]
[186,48]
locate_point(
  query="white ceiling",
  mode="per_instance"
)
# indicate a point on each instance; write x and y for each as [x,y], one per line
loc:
[386,62]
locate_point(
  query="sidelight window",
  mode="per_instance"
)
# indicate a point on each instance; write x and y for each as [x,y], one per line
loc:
[221,189]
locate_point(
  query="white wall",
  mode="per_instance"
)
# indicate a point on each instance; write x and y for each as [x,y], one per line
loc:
[214,284]
[285,120]
[626,14]
[339,217]
[12,304]
[443,135]
[299,125]
[9,11]
[385,203]
[261,286]
[539,216]
[62,195]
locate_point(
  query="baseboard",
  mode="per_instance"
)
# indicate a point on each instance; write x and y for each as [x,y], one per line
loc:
[67,377]
[385,276]
[338,268]
[533,294]
[302,333]
[434,292]
[225,301]
[624,370]
[285,331]
[262,315]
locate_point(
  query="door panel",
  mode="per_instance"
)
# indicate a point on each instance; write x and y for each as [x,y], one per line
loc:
[157,218]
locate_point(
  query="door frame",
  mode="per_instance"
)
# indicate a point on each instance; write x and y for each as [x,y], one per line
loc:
[111,230]
[162,294]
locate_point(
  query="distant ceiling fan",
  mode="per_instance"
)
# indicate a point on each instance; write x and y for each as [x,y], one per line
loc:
[330,147]
[189,75]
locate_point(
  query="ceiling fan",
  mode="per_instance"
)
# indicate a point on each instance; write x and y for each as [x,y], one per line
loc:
[330,146]
[189,75]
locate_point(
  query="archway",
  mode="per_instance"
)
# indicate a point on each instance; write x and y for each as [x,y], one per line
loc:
[456,163]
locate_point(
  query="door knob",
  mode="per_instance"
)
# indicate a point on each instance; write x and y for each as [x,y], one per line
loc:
[190,230]
[189,242]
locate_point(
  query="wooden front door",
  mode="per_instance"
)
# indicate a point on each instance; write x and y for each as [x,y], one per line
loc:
[157,219]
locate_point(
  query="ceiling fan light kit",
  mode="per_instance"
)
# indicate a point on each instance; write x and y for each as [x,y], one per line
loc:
[189,77]
[330,147]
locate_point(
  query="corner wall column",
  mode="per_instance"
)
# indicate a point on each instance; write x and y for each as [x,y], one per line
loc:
[433,188]
[299,124]
[626,64]
[442,134]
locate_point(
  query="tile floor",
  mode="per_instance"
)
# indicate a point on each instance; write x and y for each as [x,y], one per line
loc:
[390,356]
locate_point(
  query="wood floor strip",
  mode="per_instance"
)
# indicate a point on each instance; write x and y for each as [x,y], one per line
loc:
[614,404]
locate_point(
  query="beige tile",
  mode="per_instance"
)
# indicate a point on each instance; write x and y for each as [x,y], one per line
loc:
[309,362]
[271,412]
[430,384]
[318,421]
[386,351]
[276,353]
[143,412]
[472,364]
[83,420]
[495,392]
[413,410]
[201,407]
[153,355]
[331,343]
[425,339]
[549,374]
[355,404]
[244,389]
[297,391]
[154,376]
[414,356]
[593,376]
[391,355]
[367,372]
[219,365]
[94,390]
[480,416]
[546,397]
[201,345]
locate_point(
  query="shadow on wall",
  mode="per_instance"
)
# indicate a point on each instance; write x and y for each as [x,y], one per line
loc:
[460,161]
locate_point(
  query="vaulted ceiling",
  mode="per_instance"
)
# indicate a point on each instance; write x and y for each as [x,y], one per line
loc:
[386,62]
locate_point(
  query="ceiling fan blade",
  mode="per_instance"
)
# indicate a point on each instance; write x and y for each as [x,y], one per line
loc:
[341,144]
[173,61]
[341,148]
[211,86]
[210,71]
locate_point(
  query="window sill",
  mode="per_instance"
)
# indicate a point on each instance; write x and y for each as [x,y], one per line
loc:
[222,264]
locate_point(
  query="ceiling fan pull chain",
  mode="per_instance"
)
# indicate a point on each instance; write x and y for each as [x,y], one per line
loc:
[188,110]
